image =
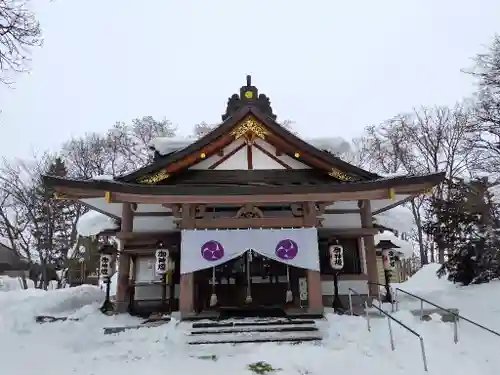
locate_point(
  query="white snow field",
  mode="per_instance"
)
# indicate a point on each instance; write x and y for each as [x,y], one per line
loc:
[81,348]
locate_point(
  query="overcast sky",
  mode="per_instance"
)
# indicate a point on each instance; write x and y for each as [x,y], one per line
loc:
[332,66]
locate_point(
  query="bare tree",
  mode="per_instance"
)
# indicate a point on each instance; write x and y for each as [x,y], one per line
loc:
[487,138]
[122,149]
[428,140]
[19,30]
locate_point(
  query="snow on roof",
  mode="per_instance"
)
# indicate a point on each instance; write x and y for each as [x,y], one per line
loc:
[334,145]
[399,218]
[93,223]
[167,145]
[405,248]
[4,241]
[103,177]
[495,192]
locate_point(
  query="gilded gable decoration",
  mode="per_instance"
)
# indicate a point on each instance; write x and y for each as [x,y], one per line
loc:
[250,128]
[153,178]
[339,175]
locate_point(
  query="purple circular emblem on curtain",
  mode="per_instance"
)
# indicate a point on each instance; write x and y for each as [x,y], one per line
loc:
[287,249]
[212,251]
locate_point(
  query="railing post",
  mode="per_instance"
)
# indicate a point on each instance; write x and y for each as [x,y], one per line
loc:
[390,333]
[350,302]
[424,357]
[379,298]
[422,310]
[367,315]
[455,329]
[396,298]
[392,300]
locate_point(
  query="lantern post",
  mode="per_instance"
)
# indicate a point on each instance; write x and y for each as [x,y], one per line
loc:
[107,253]
[337,263]
[388,262]
[161,268]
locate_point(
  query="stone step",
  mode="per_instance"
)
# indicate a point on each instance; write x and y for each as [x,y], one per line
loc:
[146,324]
[256,337]
[252,322]
[274,328]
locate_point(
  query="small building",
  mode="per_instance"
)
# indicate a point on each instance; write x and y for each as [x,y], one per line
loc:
[247,214]
[11,264]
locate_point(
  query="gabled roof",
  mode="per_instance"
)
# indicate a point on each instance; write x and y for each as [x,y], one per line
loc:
[221,136]
[247,115]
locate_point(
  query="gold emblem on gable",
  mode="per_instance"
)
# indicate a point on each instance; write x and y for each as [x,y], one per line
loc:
[339,175]
[153,178]
[249,128]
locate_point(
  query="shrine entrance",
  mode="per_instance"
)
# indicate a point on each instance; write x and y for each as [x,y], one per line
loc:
[250,280]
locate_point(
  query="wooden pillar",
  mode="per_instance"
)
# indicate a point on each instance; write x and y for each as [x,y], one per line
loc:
[314,292]
[369,241]
[315,295]
[186,287]
[122,287]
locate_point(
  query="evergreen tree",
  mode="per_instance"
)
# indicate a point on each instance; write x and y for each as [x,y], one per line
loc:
[52,223]
[466,228]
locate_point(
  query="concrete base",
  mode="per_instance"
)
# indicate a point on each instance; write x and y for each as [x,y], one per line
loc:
[445,316]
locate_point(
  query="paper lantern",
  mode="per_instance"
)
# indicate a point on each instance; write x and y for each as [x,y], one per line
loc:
[162,263]
[388,260]
[105,265]
[336,257]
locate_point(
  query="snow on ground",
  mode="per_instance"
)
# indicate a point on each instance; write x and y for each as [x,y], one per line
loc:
[80,348]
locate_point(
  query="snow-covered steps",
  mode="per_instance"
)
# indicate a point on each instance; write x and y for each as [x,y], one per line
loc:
[254,331]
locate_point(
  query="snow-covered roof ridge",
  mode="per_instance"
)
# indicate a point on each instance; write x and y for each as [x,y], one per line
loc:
[167,145]
[399,218]
[93,223]
[103,177]
[405,248]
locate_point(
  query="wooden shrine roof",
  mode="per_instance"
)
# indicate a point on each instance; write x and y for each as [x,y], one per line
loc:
[75,189]
[245,114]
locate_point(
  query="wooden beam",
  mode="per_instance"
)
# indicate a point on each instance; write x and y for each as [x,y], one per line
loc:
[241,199]
[227,156]
[244,223]
[196,156]
[153,214]
[339,211]
[271,156]
[249,157]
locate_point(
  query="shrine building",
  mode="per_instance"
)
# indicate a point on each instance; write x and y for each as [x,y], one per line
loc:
[246,216]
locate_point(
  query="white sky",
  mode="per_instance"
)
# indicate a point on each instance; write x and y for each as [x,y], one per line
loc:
[333,67]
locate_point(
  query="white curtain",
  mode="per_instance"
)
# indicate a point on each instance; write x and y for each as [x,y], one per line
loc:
[201,249]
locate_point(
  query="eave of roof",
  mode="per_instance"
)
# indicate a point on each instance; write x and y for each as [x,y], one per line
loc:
[218,189]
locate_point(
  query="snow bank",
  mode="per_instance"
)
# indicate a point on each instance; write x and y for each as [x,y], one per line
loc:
[93,223]
[405,248]
[399,218]
[8,283]
[80,348]
[425,280]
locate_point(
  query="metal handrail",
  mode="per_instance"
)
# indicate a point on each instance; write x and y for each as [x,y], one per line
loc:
[456,316]
[379,295]
[389,318]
